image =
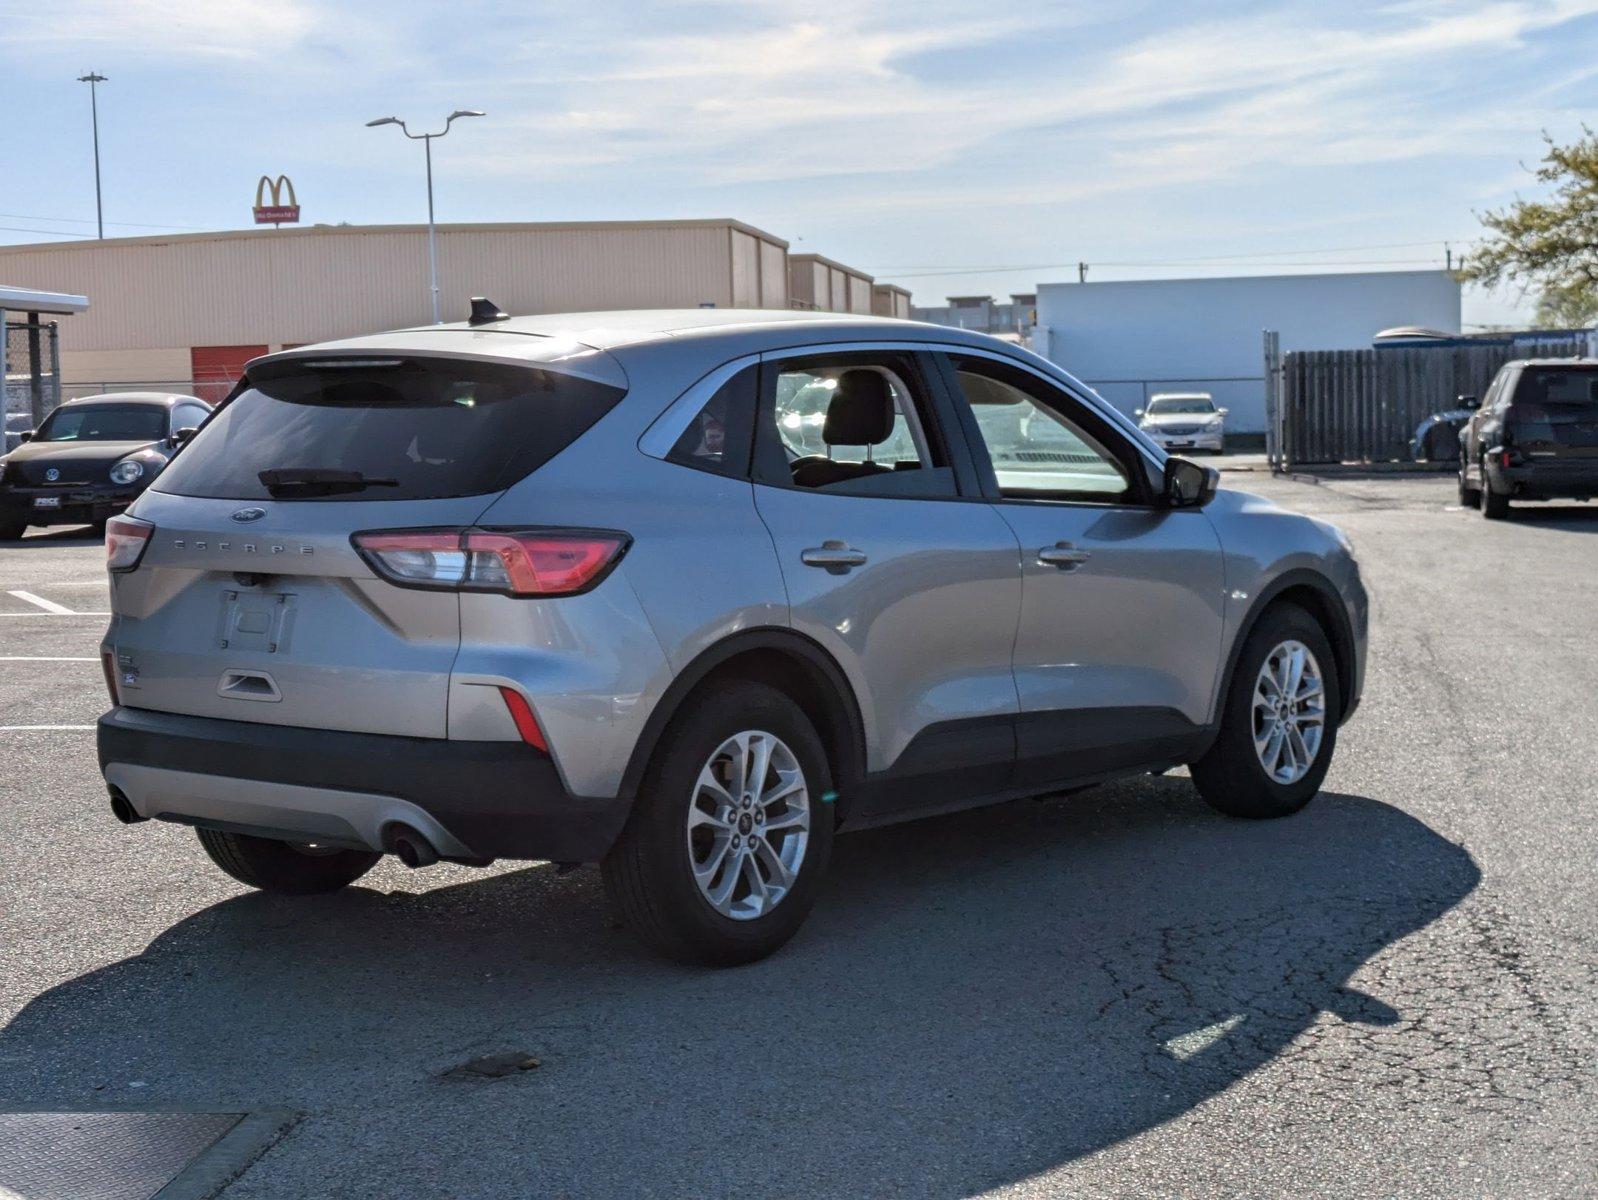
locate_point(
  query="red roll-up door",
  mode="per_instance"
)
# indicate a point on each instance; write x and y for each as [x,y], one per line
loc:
[217,368]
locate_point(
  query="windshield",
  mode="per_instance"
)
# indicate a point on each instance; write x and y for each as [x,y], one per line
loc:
[397,429]
[1164,405]
[104,423]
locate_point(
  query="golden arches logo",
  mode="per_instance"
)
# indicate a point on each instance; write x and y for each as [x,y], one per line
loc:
[276,212]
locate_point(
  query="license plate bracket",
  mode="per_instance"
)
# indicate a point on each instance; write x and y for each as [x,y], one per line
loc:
[259,621]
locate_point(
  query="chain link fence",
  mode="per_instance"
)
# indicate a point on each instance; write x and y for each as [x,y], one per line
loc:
[30,366]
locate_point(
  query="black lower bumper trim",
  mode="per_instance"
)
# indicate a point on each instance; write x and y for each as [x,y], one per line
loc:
[500,799]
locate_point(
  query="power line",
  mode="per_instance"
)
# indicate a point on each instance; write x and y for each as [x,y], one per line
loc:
[82,221]
[1187,262]
[912,272]
[51,232]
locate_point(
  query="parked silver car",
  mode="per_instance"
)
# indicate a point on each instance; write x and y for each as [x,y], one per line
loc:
[1184,421]
[684,593]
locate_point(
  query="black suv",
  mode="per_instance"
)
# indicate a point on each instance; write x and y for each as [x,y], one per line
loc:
[1533,437]
[90,458]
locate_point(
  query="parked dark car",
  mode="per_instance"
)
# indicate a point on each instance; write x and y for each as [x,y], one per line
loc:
[1436,438]
[1534,436]
[91,458]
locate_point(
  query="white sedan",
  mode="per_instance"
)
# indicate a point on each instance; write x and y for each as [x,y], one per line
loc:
[1184,421]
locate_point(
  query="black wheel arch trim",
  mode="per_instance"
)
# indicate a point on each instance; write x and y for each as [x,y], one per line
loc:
[1341,636]
[845,736]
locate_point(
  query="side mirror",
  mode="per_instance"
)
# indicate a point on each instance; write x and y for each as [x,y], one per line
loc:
[1137,412]
[1188,485]
[1469,402]
[179,436]
[1221,412]
[25,436]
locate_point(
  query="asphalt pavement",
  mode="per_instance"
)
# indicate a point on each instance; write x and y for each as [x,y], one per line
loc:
[1119,993]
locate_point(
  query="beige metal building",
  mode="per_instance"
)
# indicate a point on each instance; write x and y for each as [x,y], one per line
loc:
[188,311]
[890,300]
[818,282]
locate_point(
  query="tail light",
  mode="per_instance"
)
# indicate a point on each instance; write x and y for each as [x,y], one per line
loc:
[125,540]
[531,562]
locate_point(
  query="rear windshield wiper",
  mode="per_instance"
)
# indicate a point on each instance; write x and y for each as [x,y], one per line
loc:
[318,481]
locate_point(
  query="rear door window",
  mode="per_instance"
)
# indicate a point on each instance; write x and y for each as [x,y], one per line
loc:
[394,429]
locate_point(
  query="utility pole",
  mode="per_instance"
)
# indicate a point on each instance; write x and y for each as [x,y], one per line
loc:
[1081,272]
[93,79]
[1448,256]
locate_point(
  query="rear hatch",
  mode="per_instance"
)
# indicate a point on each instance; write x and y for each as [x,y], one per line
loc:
[250,603]
[1554,416]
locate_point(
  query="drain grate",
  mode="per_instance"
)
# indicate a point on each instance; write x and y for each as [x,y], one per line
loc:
[107,1155]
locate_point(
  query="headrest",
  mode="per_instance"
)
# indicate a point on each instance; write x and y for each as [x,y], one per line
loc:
[861,410]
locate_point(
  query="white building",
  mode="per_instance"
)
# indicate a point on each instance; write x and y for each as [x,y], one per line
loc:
[1132,339]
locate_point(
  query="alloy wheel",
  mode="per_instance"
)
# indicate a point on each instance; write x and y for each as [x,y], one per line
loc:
[748,825]
[1289,712]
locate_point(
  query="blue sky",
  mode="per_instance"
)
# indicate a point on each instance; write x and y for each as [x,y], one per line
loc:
[911,139]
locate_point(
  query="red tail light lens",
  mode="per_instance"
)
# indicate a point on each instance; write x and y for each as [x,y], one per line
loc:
[522,713]
[539,562]
[125,540]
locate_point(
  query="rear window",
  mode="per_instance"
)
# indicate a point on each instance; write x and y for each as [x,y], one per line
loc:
[1559,394]
[418,428]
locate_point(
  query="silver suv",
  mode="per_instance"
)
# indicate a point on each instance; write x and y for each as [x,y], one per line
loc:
[684,593]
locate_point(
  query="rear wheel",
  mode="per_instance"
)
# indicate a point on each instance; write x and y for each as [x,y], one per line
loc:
[1278,720]
[723,855]
[290,868]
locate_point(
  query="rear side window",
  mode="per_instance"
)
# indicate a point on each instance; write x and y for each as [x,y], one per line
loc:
[415,428]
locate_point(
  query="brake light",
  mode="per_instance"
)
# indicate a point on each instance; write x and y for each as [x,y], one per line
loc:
[536,562]
[1506,458]
[125,540]
[522,713]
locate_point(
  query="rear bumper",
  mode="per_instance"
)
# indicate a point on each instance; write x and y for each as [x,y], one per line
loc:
[474,799]
[1546,480]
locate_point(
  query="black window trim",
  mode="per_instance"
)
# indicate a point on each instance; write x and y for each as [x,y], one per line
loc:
[738,460]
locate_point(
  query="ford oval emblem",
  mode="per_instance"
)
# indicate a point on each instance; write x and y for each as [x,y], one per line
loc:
[52,475]
[249,514]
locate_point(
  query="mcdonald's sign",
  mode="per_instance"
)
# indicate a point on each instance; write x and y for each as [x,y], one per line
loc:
[275,213]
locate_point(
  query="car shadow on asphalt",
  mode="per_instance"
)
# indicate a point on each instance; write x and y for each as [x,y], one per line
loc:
[977,998]
[1574,518]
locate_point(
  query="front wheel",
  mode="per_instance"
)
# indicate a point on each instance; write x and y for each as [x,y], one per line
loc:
[1278,720]
[1469,497]
[723,855]
[285,867]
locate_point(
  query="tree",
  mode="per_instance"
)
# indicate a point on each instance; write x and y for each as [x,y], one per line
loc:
[1550,245]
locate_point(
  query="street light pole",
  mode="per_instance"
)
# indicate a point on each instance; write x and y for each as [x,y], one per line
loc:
[432,233]
[92,79]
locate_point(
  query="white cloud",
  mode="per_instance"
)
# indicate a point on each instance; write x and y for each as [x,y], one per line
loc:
[169,29]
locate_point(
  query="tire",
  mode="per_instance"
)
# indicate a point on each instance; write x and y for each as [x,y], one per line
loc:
[649,873]
[1494,507]
[282,867]
[1469,497]
[12,531]
[1231,776]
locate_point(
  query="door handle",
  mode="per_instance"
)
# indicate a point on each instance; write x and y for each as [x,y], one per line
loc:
[1063,555]
[836,558]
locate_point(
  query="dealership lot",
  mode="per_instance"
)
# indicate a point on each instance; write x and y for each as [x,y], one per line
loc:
[1118,993]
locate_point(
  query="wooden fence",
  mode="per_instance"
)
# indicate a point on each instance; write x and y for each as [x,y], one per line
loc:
[1336,406]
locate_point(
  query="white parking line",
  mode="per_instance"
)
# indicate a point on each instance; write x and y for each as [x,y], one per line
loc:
[49,606]
[33,658]
[66,613]
[22,728]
